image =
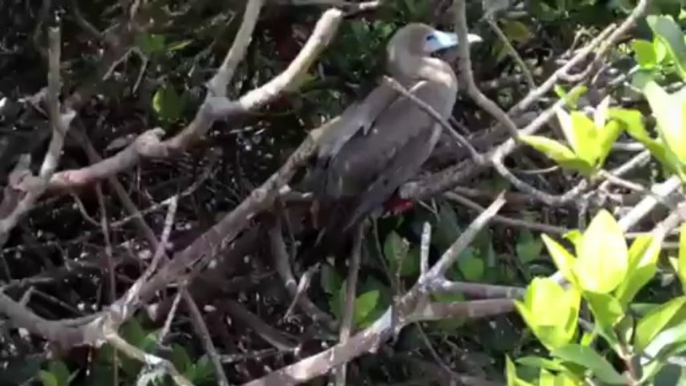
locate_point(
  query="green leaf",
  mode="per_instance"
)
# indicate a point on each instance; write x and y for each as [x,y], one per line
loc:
[180,358]
[607,136]
[643,256]
[470,265]
[511,374]
[542,363]
[528,247]
[365,304]
[681,266]
[133,333]
[395,249]
[668,32]
[550,311]
[150,43]
[330,280]
[410,266]
[517,31]
[167,103]
[590,359]
[632,122]
[47,378]
[60,371]
[181,44]
[563,260]
[667,341]
[204,371]
[645,53]
[608,312]
[650,325]
[572,98]
[603,255]
[669,111]
[558,152]
[580,132]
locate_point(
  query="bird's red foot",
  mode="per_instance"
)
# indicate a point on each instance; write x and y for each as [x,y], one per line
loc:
[397,205]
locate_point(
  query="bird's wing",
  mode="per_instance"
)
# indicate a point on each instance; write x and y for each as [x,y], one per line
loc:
[358,116]
[369,167]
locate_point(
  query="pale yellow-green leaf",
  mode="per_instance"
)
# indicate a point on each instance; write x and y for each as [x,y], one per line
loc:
[558,152]
[681,266]
[585,137]
[564,261]
[643,256]
[645,53]
[603,256]
[670,113]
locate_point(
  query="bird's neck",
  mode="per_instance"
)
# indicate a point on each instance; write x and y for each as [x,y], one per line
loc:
[425,68]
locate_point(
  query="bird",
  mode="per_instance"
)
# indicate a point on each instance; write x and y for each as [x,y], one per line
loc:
[380,142]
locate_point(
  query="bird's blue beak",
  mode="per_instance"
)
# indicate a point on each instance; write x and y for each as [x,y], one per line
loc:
[439,40]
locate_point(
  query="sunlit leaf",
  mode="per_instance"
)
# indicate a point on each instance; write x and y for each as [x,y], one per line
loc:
[365,304]
[669,111]
[558,152]
[643,256]
[564,261]
[603,255]
[669,33]
[652,324]
[590,359]
[645,53]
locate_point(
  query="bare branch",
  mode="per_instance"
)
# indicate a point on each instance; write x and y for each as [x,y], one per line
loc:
[218,84]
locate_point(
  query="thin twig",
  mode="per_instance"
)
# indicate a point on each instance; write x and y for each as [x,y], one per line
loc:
[350,295]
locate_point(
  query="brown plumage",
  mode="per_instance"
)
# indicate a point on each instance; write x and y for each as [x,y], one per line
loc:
[381,142]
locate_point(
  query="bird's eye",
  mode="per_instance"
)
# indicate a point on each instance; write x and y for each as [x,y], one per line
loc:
[429,37]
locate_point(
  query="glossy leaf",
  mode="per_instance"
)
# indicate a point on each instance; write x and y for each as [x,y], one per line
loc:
[650,325]
[365,304]
[681,266]
[167,103]
[669,33]
[47,378]
[590,359]
[607,311]
[550,311]
[564,261]
[511,374]
[603,255]
[643,258]
[632,122]
[471,265]
[330,280]
[558,152]
[669,111]
[581,133]
[645,53]
[395,250]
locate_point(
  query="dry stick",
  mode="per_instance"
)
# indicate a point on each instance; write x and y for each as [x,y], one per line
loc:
[506,220]
[278,249]
[350,295]
[201,329]
[154,361]
[149,145]
[218,84]
[208,245]
[426,242]
[408,311]
[467,77]
[59,124]
[512,51]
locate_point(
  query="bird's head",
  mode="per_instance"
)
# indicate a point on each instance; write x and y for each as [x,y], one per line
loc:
[419,39]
